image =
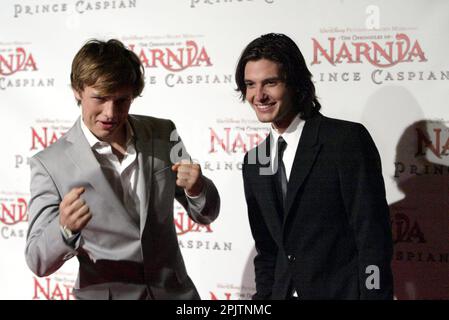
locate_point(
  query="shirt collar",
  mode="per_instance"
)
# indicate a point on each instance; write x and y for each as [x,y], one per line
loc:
[292,134]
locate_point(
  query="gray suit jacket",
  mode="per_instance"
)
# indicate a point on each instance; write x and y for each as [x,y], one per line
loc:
[119,258]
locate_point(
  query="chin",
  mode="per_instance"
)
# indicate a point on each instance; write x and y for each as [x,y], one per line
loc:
[265,118]
[102,135]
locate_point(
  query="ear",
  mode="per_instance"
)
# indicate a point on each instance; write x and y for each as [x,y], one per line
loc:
[77,95]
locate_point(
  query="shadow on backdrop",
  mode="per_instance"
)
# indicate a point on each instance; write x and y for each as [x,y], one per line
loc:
[417,183]
[420,221]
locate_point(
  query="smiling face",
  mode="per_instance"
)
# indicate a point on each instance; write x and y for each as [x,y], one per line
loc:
[105,114]
[268,94]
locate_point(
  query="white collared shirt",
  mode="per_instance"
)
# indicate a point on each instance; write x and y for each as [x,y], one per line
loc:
[122,176]
[291,135]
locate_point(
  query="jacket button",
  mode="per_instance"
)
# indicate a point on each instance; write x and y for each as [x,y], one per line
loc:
[291,258]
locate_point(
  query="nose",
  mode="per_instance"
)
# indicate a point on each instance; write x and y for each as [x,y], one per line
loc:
[260,94]
[109,109]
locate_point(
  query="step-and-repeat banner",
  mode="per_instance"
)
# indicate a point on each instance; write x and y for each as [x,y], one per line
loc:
[381,63]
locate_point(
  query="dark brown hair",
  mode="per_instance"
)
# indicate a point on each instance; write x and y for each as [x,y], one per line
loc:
[281,49]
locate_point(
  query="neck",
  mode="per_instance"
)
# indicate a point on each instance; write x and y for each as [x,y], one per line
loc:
[118,141]
[282,125]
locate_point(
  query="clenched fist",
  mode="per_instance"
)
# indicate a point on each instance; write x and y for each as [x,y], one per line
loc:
[74,214]
[189,177]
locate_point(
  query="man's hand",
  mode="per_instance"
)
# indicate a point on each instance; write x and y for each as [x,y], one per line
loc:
[189,177]
[74,214]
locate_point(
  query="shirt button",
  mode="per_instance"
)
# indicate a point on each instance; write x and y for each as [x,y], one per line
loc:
[291,258]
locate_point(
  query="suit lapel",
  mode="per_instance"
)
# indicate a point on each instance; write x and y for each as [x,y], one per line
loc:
[144,146]
[264,185]
[83,158]
[308,149]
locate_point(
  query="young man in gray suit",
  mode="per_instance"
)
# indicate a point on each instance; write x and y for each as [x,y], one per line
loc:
[104,192]
[314,187]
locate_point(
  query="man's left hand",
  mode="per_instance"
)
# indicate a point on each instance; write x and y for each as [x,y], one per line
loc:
[189,177]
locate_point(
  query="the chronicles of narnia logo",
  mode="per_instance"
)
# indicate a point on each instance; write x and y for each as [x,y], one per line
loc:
[41,135]
[395,54]
[192,235]
[13,215]
[229,139]
[176,60]
[19,67]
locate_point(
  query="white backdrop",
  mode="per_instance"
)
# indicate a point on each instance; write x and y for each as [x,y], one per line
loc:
[382,63]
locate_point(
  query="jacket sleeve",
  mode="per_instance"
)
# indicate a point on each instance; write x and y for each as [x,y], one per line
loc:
[205,212]
[207,209]
[363,193]
[266,248]
[46,250]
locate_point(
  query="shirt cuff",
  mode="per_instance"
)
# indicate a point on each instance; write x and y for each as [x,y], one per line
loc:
[198,201]
[69,237]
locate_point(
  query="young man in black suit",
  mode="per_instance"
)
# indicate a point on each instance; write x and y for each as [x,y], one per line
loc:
[314,188]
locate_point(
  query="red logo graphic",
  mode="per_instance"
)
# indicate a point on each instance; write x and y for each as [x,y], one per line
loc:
[234,141]
[405,230]
[43,137]
[190,55]
[51,290]
[184,224]
[226,296]
[431,143]
[14,212]
[382,55]
[17,61]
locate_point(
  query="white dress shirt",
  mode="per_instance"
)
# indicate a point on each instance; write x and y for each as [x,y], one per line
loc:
[122,175]
[291,136]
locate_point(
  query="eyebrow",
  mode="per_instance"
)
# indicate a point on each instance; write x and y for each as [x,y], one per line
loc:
[107,96]
[97,94]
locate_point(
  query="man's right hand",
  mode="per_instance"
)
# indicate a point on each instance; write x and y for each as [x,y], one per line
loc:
[74,214]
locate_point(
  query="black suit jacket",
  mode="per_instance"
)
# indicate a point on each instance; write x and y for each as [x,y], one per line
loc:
[335,224]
